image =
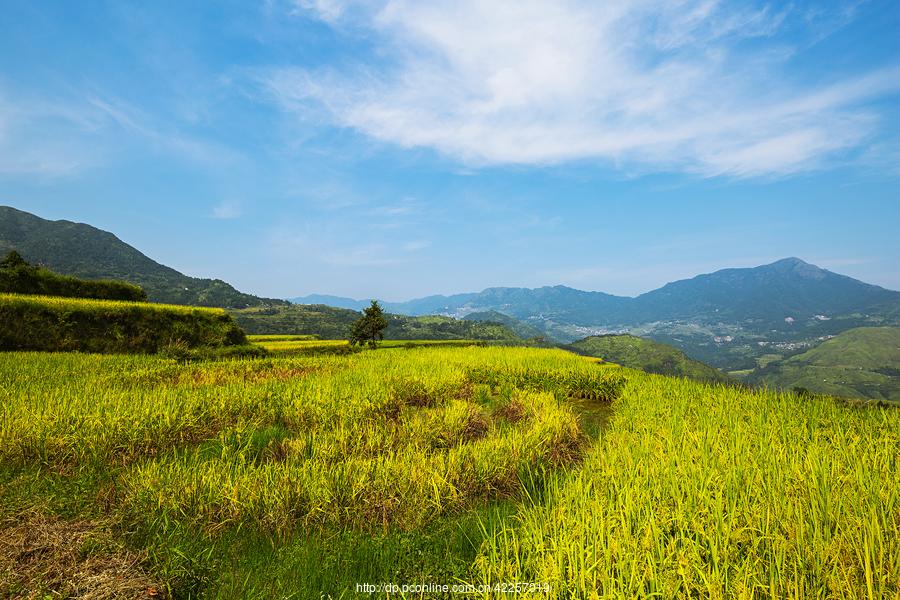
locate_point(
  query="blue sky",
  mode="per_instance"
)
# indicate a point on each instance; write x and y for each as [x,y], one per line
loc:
[397,149]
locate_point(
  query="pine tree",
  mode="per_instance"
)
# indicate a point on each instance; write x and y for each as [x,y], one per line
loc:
[369,328]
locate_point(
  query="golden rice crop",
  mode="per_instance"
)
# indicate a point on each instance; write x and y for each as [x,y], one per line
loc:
[371,438]
[718,492]
[302,475]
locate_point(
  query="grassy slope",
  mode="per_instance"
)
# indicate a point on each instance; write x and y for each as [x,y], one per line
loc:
[271,477]
[325,322]
[64,324]
[862,362]
[646,355]
[334,323]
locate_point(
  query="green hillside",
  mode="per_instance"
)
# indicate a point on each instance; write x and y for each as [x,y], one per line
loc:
[84,251]
[520,328]
[329,322]
[646,355]
[859,363]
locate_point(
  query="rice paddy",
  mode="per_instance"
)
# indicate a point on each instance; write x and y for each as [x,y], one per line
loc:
[304,474]
[289,345]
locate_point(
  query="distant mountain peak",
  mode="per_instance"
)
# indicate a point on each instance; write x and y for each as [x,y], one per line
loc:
[796,266]
[790,261]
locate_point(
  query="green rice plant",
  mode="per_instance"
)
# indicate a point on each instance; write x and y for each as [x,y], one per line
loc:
[707,491]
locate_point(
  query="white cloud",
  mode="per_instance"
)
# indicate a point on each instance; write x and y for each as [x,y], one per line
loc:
[684,85]
[227,209]
[327,10]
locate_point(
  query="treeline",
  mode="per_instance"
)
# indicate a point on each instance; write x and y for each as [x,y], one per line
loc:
[19,277]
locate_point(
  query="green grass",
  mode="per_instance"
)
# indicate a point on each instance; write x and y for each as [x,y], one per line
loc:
[298,476]
[49,323]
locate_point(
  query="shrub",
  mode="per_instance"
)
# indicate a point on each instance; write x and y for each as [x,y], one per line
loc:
[19,277]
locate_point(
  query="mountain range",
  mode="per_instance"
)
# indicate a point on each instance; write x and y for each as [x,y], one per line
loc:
[737,320]
[766,295]
[728,318]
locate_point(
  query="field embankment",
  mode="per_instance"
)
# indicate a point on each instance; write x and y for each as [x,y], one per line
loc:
[54,324]
[296,345]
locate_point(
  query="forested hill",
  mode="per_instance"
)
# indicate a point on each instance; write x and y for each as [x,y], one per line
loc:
[84,251]
[646,355]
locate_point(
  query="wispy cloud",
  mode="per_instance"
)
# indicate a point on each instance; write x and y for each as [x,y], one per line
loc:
[41,138]
[695,86]
[57,135]
[227,209]
[328,10]
[326,248]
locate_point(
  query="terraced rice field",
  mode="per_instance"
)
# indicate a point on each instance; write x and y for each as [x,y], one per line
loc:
[302,476]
